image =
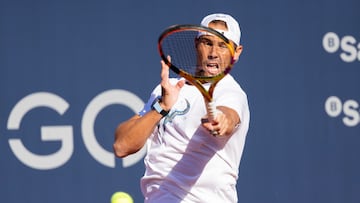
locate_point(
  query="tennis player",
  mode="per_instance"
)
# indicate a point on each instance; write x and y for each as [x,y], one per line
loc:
[184,161]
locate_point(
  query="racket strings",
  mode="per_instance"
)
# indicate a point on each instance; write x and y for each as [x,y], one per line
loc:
[181,48]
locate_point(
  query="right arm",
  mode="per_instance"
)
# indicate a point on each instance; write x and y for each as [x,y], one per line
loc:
[131,135]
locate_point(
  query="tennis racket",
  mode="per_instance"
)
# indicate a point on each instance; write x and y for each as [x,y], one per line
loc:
[198,54]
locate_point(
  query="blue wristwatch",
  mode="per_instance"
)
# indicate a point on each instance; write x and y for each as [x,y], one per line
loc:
[156,106]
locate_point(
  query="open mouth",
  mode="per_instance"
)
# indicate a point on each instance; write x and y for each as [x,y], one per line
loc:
[212,68]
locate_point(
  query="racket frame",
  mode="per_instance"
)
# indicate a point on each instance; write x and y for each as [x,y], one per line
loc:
[198,81]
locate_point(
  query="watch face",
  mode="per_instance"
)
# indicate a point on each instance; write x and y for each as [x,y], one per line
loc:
[156,106]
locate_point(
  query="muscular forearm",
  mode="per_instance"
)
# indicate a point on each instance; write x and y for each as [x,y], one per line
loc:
[232,119]
[131,135]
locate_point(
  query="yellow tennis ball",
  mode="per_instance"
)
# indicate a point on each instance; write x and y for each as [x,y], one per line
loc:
[121,197]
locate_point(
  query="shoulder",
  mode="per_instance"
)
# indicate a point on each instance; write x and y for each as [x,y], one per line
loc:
[229,83]
[228,92]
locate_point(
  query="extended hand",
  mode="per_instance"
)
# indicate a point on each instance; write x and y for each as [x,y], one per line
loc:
[224,123]
[170,92]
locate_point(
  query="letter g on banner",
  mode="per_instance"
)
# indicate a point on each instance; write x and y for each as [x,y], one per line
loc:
[48,133]
[101,101]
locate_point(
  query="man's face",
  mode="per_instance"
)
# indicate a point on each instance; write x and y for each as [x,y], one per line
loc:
[213,56]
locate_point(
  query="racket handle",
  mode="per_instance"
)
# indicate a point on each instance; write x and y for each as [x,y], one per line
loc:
[212,111]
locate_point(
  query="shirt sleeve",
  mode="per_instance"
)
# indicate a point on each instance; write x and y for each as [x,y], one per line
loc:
[229,93]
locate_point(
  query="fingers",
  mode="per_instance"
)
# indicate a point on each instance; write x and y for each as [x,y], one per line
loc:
[214,133]
[164,71]
[216,127]
[217,132]
[165,68]
[180,84]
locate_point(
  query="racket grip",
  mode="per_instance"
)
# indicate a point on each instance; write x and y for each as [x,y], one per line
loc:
[212,111]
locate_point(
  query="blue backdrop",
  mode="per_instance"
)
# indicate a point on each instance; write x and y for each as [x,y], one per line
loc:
[70,71]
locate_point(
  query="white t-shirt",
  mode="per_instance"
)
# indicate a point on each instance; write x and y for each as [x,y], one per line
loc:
[184,163]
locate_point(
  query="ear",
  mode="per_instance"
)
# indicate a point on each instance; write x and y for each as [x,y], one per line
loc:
[238,52]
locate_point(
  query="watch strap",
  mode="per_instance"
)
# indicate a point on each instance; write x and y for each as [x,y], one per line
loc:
[157,107]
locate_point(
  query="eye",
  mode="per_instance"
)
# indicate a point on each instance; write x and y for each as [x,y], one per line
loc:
[222,45]
[206,42]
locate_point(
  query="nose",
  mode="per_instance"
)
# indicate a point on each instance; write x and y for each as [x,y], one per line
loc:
[213,52]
